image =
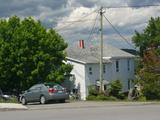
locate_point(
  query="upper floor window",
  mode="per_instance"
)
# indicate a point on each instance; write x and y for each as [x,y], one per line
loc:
[104,68]
[128,65]
[117,66]
[90,70]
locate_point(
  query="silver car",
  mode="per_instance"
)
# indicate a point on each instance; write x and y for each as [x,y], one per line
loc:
[43,93]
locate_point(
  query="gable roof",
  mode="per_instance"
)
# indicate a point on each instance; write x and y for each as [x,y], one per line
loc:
[92,54]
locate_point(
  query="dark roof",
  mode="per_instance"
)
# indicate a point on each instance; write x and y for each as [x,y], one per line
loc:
[131,51]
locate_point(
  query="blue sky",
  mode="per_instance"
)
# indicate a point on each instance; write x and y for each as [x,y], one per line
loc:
[60,14]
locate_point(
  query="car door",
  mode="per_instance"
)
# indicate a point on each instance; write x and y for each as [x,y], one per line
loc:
[30,93]
[36,93]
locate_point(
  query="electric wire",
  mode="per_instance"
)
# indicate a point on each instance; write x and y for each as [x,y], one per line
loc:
[79,20]
[132,6]
[90,36]
[92,29]
[115,29]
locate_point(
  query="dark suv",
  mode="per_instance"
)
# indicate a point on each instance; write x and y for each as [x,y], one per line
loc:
[43,93]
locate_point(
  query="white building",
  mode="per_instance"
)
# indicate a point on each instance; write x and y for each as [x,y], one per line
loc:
[117,65]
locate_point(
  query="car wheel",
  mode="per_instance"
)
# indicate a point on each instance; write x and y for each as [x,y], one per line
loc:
[23,101]
[42,100]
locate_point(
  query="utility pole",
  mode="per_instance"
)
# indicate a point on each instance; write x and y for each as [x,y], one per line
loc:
[101,50]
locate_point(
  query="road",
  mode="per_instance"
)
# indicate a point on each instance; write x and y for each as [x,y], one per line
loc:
[99,112]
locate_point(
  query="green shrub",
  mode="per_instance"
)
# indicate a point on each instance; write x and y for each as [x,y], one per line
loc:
[91,97]
[115,88]
[92,90]
[11,100]
[122,96]
[142,98]
[101,98]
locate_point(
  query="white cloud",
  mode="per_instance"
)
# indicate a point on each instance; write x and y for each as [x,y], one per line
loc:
[60,13]
[82,14]
[126,20]
[129,16]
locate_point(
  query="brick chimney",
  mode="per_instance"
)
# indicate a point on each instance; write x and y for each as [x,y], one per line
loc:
[81,44]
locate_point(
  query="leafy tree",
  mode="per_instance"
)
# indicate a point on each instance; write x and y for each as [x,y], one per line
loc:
[149,37]
[149,71]
[29,53]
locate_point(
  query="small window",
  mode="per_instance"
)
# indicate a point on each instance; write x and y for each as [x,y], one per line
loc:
[90,70]
[104,68]
[128,65]
[129,84]
[117,66]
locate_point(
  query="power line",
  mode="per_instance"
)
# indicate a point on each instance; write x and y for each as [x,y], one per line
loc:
[68,29]
[118,32]
[132,6]
[80,20]
[73,21]
[91,32]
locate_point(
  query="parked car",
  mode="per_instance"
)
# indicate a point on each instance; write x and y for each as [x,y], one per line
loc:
[5,97]
[43,93]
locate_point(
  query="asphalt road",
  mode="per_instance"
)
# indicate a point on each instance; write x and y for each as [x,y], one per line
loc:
[90,112]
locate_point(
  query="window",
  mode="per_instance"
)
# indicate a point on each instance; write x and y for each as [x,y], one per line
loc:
[90,70]
[129,84]
[128,65]
[33,87]
[105,87]
[117,66]
[104,68]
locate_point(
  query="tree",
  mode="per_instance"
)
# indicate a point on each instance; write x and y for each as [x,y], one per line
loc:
[149,37]
[29,53]
[149,72]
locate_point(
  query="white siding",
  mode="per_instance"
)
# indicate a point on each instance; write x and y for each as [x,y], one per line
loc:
[79,72]
[123,75]
[84,78]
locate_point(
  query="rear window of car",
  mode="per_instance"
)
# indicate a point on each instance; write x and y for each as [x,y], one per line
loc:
[55,86]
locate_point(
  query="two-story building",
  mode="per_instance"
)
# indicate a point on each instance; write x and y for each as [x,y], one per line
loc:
[117,65]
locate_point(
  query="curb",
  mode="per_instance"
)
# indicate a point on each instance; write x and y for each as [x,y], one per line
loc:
[76,105]
[12,106]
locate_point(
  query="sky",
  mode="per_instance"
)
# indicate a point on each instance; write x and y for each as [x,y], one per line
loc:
[80,19]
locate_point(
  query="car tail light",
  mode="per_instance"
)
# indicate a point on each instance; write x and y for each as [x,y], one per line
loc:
[51,90]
